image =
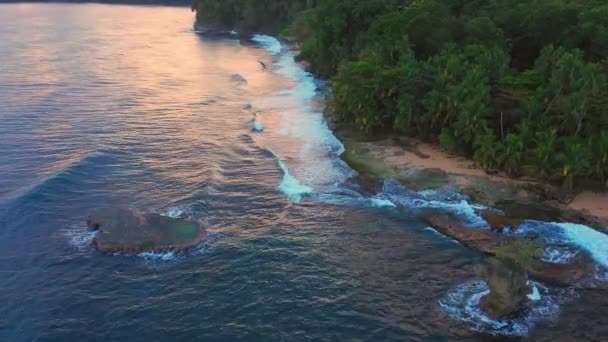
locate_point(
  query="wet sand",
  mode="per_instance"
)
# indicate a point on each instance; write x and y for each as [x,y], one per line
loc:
[594,203]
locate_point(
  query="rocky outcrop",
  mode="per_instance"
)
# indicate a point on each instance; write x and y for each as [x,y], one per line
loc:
[508,285]
[547,211]
[484,240]
[128,230]
[580,272]
[498,221]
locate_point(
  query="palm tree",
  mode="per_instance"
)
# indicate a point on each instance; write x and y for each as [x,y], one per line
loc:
[544,153]
[576,162]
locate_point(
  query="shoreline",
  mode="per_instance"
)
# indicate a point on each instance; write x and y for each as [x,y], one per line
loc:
[415,164]
[421,166]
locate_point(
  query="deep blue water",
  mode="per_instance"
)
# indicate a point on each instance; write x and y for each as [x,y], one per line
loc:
[119,105]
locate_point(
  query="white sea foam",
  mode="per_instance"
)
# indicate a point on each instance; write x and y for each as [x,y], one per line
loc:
[169,257]
[431,199]
[589,239]
[290,186]
[315,165]
[174,212]
[151,256]
[382,203]
[80,237]
[559,255]
[535,295]
[462,303]
[564,241]
[270,43]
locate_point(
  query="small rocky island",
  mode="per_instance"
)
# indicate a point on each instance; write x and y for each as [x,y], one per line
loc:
[128,230]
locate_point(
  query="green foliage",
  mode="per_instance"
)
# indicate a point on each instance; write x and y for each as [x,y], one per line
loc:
[447,139]
[248,15]
[519,85]
[519,252]
[482,30]
[575,159]
[489,151]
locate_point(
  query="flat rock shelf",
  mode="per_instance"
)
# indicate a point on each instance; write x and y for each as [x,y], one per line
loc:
[128,230]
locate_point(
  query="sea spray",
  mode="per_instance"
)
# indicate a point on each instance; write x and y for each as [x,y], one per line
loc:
[589,239]
[290,186]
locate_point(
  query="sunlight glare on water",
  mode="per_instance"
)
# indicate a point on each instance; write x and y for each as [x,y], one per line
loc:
[126,105]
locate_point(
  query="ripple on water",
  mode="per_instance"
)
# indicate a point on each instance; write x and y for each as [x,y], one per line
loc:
[462,303]
[156,259]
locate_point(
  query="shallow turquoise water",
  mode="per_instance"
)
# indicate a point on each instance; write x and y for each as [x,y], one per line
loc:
[120,105]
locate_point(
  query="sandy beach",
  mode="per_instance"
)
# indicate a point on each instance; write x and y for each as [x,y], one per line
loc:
[406,161]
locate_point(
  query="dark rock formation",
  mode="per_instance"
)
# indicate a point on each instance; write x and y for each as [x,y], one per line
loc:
[508,285]
[499,221]
[484,240]
[547,211]
[580,272]
[128,230]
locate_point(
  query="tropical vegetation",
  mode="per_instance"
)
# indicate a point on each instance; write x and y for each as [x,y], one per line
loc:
[518,85]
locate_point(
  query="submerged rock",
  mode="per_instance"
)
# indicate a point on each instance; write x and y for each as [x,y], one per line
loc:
[508,285]
[238,78]
[128,230]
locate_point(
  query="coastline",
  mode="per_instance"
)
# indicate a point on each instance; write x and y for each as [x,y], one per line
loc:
[421,166]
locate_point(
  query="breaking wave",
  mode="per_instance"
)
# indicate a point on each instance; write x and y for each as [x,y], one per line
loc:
[449,201]
[317,166]
[562,242]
